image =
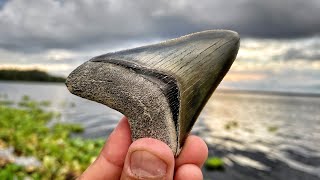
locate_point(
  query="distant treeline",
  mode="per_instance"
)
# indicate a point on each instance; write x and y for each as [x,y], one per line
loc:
[28,75]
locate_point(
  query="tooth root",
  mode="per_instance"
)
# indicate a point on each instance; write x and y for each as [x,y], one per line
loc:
[161,88]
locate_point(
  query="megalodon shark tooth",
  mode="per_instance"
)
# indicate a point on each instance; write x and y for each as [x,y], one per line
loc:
[160,88]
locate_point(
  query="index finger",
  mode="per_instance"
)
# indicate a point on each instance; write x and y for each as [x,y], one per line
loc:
[110,161]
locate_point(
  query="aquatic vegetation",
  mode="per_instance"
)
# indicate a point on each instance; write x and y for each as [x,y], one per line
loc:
[272,128]
[4,100]
[25,129]
[214,163]
[230,125]
[65,104]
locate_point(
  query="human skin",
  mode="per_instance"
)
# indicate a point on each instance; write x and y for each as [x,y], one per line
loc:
[146,158]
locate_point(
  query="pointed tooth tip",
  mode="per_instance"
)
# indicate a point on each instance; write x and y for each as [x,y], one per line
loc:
[233,34]
[234,41]
[228,33]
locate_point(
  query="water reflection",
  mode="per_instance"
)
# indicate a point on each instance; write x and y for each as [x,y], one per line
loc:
[283,128]
[259,136]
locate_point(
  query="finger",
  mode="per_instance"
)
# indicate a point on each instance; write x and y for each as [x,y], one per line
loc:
[188,171]
[194,151]
[148,158]
[110,161]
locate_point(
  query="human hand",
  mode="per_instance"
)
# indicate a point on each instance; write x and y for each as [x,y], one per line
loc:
[146,158]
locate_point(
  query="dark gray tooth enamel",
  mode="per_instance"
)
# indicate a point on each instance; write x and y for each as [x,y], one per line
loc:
[161,88]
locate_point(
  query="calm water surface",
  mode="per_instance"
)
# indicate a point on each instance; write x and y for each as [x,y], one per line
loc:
[273,136]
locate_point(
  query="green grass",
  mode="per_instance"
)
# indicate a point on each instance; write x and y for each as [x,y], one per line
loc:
[214,163]
[25,128]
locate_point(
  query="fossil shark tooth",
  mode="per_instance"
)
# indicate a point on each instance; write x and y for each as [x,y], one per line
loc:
[161,88]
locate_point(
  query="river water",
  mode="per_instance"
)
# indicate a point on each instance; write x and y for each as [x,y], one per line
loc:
[259,136]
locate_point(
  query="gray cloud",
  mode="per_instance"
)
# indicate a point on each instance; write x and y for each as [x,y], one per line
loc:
[301,49]
[305,54]
[33,26]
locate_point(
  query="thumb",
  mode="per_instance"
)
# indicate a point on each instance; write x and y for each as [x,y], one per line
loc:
[148,158]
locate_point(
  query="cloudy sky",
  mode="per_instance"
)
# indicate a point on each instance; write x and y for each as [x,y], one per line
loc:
[278,36]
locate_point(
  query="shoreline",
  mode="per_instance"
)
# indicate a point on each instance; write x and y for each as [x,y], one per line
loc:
[217,91]
[31,82]
[266,92]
